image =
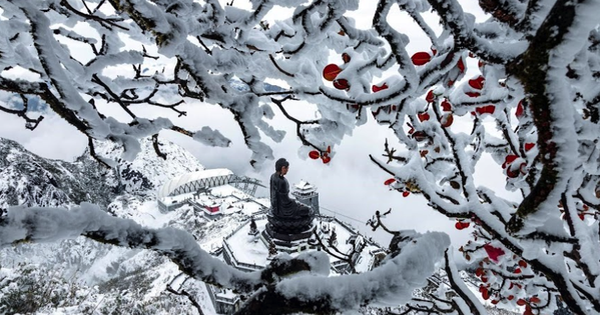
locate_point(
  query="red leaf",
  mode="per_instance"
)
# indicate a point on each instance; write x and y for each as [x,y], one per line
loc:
[325,159]
[461,65]
[493,252]
[512,173]
[523,263]
[405,193]
[341,84]
[419,136]
[376,88]
[328,149]
[430,96]
[534,299]
[389,181]
[331,71]
[489,109]
[460,225]
[477,83]
[473,94]
[485,294]
[521,302]
[510,158]
[520,109]
[346,58]
[510,297]
[479,272]
[446,106]
[529,146]
[528,310]
[447,120]
[517,271]
[423,116]
[420,58]
[314,154]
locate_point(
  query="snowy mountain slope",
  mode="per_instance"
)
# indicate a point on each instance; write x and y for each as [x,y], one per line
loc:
[27,179]
[148,171]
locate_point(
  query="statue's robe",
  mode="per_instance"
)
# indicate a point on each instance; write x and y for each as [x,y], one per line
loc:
[281,203]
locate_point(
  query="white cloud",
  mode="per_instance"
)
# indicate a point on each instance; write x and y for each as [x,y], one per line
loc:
[54,138]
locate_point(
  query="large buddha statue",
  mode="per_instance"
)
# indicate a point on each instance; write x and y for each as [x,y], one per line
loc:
[287,215]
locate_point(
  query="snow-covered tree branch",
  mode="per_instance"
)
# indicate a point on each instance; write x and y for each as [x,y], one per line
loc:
[278,291]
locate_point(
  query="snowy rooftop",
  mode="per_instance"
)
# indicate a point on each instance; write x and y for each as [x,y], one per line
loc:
[250,251]
[304,186]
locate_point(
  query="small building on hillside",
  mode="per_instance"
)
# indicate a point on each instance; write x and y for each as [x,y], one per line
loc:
[307,194]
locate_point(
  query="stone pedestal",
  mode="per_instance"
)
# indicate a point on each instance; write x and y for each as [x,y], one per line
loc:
[284,231]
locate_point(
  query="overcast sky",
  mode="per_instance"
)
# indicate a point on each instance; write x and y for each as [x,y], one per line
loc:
[350,185]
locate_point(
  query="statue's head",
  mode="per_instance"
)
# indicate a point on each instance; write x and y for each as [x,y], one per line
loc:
[280,164]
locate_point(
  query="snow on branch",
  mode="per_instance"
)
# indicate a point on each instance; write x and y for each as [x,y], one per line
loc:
[391,282]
